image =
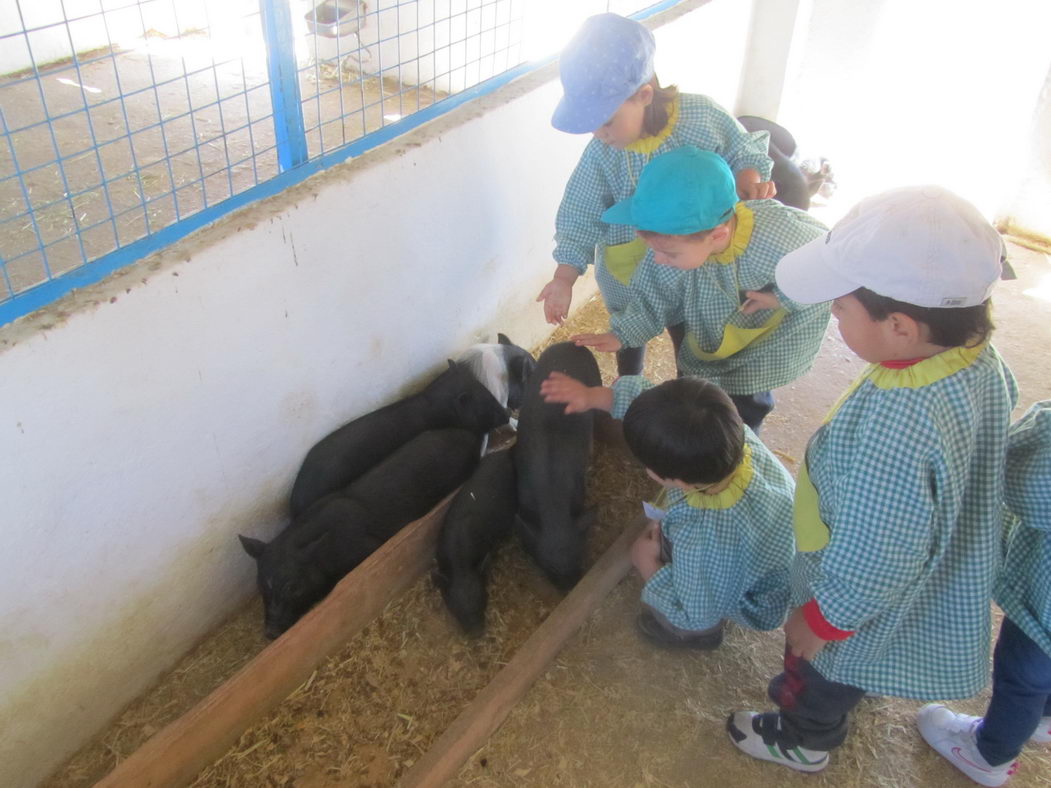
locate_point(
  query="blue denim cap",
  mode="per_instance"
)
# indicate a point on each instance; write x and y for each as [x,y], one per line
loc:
[603,65]
[684,191]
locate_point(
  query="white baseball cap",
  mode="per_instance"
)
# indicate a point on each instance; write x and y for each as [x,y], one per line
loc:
[921,245]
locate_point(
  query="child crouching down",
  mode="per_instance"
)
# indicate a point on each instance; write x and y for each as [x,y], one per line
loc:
[985,748]
[897,510]
[726,509]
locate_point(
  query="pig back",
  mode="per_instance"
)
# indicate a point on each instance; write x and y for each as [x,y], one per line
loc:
[553,448]
[410,481]
[480,515]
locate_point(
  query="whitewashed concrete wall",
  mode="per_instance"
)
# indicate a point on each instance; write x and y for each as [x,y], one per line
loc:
[899,92]
[147,420]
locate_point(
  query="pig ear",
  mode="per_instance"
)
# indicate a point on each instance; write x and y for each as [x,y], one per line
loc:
[503,340]
[520,367]
[253,547]
[452,364]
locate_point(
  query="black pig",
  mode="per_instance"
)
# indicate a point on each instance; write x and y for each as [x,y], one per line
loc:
[456,398]
[551,459]
[302,564]
[479,519]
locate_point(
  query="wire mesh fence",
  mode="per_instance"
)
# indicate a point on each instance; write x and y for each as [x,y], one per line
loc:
[121,119]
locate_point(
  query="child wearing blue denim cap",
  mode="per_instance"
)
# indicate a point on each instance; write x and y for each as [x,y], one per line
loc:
[611,91]
[710,268]
[985,748]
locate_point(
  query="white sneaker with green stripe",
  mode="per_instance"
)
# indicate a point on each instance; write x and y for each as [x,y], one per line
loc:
[743,727]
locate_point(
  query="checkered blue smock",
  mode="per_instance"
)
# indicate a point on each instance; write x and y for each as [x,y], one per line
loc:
[1023,588]
[731,551]
[706,299]
[909,473]
[606,175]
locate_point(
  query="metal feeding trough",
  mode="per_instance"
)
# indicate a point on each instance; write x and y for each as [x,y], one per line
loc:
[335,18]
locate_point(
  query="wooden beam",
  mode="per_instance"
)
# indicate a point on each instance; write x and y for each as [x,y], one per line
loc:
[487,711]
[179,751]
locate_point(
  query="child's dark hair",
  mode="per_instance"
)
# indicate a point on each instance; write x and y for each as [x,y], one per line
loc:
[655,117]
[686,429]
[964,326]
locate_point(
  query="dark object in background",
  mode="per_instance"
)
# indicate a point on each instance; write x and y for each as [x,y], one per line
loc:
[302,564]
[478,521]
[455,398]
[551,460]
[796,183]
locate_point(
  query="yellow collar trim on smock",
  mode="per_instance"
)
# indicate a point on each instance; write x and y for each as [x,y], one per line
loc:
[924,373]
[650,144]
[742,235]
[731,494]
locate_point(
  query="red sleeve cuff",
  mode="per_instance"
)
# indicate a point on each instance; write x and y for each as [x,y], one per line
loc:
[819,624]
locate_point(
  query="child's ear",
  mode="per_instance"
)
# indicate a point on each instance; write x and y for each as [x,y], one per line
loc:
[906,329]
[720,233]
[644,94]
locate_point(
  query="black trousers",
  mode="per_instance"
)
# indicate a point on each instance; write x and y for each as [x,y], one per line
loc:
[630,359]
[753,408]
[812,710]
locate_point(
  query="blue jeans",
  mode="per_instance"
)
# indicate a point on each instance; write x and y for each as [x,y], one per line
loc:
[1021,695]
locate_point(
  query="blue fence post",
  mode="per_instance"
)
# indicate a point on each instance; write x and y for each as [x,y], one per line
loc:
[289,129]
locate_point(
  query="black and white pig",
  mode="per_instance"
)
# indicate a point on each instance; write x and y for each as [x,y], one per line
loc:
[478,520]
[503,368]
[551,459]
[302,564]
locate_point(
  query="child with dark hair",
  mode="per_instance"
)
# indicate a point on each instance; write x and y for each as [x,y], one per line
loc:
[985,748]
[897,506]
[720,541]
[612,93]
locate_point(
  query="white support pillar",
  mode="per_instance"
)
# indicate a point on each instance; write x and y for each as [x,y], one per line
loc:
[776,37]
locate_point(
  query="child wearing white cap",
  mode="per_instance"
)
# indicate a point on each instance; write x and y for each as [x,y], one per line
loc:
[711,269]
[720,540]
[897,505]
[985,748]
[610,90]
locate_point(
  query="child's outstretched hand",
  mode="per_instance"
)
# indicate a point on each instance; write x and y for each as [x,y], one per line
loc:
[606,343]
[800,637]
[558,387]
[557,295]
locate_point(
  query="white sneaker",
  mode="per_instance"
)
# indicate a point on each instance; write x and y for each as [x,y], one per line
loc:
[743,727]
[1042,734]
[953,736]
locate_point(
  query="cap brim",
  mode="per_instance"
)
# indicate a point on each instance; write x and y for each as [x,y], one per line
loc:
[574,116]
[807,277]
[619,213]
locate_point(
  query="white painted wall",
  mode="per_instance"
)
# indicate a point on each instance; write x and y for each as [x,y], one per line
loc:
[897,92]
[146,421]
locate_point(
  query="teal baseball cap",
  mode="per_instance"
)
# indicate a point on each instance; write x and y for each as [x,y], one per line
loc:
[681,192]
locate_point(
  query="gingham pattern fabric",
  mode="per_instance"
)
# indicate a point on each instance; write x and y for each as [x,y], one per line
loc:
[1023,588]
[910,483]
[606,175]
[726,563]
[707,298]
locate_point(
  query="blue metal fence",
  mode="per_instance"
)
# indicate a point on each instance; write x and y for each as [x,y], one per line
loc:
[127,124]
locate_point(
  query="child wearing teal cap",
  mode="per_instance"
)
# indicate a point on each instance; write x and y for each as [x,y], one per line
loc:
[711,268]
[720,542]
[985,748]
[611,91]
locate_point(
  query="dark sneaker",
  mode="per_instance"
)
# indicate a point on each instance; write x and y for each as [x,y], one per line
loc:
[743,727]
[655,632]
